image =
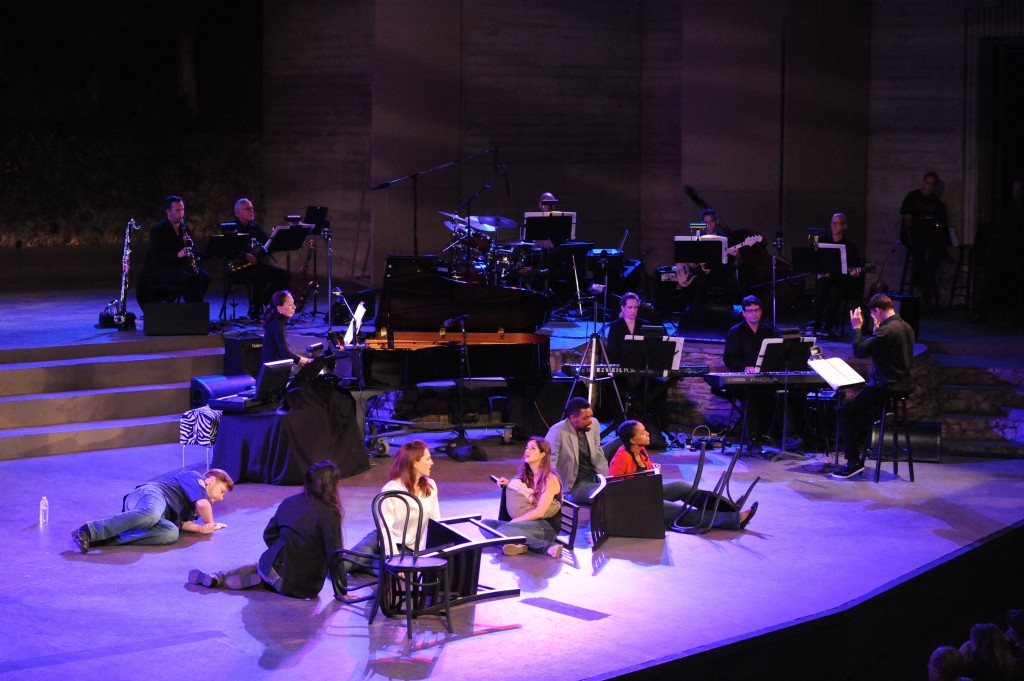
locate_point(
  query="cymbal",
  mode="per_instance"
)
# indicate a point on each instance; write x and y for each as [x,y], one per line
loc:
[454,226]
[492,221]
[453,216]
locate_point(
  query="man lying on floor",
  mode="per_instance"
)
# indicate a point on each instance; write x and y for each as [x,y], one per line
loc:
[155,512]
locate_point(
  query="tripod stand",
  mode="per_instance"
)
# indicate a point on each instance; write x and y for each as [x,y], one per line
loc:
[595,345]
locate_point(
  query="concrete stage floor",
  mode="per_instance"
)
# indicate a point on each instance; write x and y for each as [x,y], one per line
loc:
[815,545]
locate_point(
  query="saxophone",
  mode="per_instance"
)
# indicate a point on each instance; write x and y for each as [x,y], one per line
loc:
[190,253]
[116,313]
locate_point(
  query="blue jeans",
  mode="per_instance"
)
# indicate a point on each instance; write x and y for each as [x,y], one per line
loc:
[142,521]
[539,533]
[582,490]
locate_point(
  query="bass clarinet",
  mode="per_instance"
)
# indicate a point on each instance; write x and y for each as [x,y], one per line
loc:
[116,313]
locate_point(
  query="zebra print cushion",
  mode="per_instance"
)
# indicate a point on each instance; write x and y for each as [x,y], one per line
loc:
[199,426]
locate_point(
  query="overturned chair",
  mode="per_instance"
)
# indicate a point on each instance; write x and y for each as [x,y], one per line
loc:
[704,510]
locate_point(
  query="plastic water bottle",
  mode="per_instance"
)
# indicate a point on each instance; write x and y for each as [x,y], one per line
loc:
[44,511]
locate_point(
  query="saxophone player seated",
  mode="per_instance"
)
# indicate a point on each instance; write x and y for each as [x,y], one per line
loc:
[252,268]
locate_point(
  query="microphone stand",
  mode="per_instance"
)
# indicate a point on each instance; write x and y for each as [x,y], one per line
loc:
[415,189]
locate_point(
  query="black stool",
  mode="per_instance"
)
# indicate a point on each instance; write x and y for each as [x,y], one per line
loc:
[896,405]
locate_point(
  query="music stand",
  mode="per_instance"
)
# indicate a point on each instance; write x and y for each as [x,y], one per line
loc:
[652,354]
[708,249]
[227,246]
[316,216]
[554,227]
[288,237]
[784,355]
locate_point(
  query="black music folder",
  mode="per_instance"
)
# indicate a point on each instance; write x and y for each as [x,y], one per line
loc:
[784,354]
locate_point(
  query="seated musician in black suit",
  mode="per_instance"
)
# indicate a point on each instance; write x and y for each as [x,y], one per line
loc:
[831,290]
[171,261]
[742,344]
[265,278]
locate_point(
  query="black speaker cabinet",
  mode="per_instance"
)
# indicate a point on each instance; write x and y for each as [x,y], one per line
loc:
[925,441]
[176,319]
[243,355]
[206,388]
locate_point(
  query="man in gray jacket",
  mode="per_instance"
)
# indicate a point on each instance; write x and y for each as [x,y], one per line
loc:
[576,451]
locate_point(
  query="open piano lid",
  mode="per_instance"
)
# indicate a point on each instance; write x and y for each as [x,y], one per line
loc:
[415,297]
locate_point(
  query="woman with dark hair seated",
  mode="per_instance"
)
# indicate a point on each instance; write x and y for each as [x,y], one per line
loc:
[632,457]
[534,500]
[301,537]
[279,310]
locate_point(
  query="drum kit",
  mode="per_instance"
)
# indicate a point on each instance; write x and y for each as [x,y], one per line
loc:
[474,255]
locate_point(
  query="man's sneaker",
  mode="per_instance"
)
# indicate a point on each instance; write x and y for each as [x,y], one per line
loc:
[848,471]
[82,539]
[514,549]
[200,577]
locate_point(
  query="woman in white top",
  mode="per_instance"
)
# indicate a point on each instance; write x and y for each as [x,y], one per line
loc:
[410,472]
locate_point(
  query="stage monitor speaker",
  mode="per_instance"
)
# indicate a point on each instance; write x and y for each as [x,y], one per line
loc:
[908,307]
[243,355]
[206,388]
[925,441]
[176,319]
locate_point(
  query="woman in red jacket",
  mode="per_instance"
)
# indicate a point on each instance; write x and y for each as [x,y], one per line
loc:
[632,457]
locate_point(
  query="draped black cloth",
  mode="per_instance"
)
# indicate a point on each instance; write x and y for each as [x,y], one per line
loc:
[316,422]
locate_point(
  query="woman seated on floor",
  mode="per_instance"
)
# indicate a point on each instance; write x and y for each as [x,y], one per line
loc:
[534,500]
[301,537]
[410,472]
[632,457]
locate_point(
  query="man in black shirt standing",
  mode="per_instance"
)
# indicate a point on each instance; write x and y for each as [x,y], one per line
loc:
[891,349]
[924,231]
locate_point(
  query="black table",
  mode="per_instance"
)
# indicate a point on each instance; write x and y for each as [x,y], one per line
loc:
[315,422]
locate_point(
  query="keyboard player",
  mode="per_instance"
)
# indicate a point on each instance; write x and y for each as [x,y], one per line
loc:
[742,343]
[639,391]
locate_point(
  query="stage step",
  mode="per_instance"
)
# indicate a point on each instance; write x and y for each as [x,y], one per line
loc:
[78,398]
[20,443]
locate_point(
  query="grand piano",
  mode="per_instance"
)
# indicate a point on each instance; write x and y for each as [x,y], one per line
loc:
[414,345]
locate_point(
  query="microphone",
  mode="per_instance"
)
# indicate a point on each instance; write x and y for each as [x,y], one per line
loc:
[456,320]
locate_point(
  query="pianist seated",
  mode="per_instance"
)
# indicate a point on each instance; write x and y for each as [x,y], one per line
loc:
[279,310]
[632,457]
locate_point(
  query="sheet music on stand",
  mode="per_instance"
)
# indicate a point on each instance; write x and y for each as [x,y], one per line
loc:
[288,237]
[355,324]
[707,248]
[842,257]
[657,354]
[836,372]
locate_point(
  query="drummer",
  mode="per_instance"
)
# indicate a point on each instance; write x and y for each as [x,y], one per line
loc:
[547,204]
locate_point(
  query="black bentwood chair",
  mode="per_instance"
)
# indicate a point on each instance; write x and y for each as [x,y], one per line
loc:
[408,582]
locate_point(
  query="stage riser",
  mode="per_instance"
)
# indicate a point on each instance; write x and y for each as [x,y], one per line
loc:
[80,398]
[92,437]
[45,410]
[109,372]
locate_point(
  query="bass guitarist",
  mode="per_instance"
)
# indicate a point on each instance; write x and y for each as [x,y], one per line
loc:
[252,268]
[710,282]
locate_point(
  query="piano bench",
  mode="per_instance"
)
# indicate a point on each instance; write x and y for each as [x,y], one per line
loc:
[472,399]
